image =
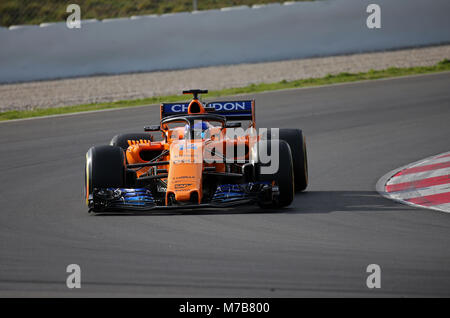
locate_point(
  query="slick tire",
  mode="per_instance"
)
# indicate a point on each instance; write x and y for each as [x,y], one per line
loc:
[297,143]
[105,168]
[283,177]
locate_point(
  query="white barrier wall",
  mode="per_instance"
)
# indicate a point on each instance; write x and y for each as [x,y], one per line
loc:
[185,40]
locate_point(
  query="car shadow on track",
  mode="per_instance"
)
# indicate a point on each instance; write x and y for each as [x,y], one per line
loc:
[343,201]
[304,203]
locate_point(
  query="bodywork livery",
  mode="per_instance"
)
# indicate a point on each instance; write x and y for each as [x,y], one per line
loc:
[204,158]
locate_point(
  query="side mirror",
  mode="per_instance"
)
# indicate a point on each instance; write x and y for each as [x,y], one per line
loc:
[152,128]
[233,125]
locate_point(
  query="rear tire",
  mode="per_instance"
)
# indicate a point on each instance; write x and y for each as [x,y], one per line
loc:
[283,177]
[296,141]
[105,168]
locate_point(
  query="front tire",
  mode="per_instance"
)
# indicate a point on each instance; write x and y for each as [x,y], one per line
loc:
[105,168]
[283,177]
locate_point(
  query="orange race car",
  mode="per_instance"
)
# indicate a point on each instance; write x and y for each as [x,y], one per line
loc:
[203,158]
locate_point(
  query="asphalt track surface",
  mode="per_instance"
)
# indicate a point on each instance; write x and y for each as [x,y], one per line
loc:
[320,246]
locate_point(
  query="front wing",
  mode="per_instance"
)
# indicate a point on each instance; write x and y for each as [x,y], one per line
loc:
[142,199]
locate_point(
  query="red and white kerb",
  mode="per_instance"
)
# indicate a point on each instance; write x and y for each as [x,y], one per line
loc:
[426,183]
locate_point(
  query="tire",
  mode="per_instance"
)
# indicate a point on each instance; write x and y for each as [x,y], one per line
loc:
[284,177]
[105,168]
[296,140]
[122,139]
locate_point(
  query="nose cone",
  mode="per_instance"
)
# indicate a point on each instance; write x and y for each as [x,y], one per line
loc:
[184,181]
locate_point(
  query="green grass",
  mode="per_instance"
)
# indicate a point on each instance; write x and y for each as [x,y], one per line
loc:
[441,66]
[14,12]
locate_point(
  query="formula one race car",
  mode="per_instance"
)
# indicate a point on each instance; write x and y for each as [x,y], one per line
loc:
[204,159]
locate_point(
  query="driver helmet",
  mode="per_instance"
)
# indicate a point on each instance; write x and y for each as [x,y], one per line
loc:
[199,126]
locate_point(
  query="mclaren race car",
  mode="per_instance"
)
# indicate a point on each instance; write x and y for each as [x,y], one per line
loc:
[199,155]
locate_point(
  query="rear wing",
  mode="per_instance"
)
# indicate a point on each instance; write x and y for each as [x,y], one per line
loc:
[232,110]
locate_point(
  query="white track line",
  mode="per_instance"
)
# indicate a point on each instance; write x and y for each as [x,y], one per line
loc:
[433,161]
[445,207]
